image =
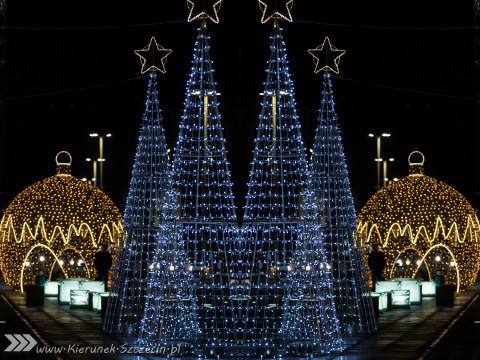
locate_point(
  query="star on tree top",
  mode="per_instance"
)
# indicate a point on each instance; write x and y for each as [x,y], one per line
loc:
[267,15]
[153,57]
[326,57]
[216,4]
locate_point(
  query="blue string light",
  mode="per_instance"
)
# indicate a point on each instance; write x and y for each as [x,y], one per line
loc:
[142,222]
[288,296]
[334,199]
[200,313]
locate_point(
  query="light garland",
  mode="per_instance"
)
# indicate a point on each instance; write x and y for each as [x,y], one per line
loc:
[40,231]
[287,288]
[54,219]
[276,15]
[203,14]
[144,223]
[333,195]
[421,219]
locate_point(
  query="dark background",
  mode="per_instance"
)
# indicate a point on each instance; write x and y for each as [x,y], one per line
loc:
[70,70]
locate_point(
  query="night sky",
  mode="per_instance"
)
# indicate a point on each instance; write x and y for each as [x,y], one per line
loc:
[71,70]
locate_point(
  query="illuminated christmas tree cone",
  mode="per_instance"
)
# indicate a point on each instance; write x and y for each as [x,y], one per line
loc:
[424,226]
[150,241]
[207,220]
[288,303]
[333,196]
[56,225]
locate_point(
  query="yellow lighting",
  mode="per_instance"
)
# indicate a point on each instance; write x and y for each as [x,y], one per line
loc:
[326,57]
[72,262]
[308,268]
[62,216]
[171,268]
[427,219]
[276,14]
[203,14]
[147,57]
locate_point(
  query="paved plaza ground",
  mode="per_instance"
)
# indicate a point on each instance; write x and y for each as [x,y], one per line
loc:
[424,331]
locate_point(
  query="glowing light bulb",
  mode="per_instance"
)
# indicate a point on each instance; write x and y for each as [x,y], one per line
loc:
[308,268]
[41,258]
[171,268]
[419,262]
[61,262]
[72,262]
[438,258]
[407,262]
[27,263]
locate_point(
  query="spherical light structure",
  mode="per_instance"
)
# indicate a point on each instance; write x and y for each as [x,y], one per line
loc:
[424,226]
[56,225]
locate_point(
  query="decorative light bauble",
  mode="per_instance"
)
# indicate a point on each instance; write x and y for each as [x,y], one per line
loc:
[424,226]
[56,225]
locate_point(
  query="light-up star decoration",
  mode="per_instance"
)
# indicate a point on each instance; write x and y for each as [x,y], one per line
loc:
[216,4]
[326,57]
[153,57]
[267,15]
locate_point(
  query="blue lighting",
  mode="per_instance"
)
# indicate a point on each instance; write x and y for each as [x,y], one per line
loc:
[336,213]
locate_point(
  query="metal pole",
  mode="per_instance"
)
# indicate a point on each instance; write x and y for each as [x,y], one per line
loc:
[94,172]
[379,141]
[205,122]
[384,173]
[274,124]
[100,143]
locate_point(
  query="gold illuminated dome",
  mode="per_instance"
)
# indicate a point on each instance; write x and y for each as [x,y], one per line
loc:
[423,226]
[56,225]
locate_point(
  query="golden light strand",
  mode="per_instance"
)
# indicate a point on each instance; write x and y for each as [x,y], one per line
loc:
[54,219]
[426,222]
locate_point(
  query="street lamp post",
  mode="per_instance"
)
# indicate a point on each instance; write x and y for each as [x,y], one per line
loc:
[101,159]
[378,159]
[94,164]
[385,177]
